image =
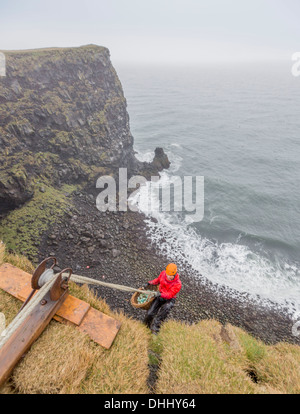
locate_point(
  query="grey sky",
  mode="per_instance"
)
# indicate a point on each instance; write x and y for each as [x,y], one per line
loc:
[168,31]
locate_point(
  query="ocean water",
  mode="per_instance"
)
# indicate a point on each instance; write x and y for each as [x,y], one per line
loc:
[238,126]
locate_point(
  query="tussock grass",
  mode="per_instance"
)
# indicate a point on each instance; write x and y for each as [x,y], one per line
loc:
[195,360]
[191,359]
[208,358]
[280,368]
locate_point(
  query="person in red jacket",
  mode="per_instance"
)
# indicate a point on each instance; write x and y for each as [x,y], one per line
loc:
[169,286]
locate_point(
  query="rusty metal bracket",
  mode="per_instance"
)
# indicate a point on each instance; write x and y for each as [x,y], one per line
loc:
[60,284]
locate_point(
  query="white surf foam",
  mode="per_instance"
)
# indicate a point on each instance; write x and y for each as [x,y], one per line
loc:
[230,265]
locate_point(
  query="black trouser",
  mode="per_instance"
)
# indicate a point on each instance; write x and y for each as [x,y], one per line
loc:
[158,312]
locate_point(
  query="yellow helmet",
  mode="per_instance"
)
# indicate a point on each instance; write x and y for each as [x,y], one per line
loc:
[171,269]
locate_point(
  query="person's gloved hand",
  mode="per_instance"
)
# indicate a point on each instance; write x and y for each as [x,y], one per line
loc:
[146,286]
[162,300]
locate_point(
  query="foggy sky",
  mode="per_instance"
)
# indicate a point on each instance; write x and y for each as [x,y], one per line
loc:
[157,31]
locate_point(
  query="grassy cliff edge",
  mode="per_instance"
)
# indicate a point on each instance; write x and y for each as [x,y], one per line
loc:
[205,357]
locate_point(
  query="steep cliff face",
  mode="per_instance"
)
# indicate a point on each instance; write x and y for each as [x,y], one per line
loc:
[63,122]
[62,117]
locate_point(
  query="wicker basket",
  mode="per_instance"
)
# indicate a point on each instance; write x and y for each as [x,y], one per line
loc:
[146,305]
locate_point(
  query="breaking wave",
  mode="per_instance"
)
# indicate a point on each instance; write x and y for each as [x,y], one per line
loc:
[234,266]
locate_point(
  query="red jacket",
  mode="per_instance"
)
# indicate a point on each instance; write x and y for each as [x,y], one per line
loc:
[168,288]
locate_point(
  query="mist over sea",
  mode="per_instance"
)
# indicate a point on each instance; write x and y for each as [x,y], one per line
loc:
[239,127]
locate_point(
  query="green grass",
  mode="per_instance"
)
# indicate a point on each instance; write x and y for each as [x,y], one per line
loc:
[22,229]
[153,359]
[255,350]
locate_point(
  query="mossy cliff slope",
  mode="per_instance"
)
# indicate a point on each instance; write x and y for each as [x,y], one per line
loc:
[63,122]
[63,115]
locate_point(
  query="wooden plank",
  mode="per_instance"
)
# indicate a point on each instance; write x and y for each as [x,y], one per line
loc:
[109,327]
[73,309]
[24,292]
[100,327]
[13,279]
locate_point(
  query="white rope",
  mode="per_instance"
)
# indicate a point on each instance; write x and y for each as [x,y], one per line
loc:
[89,281]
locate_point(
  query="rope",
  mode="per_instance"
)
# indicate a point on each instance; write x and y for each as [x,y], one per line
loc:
[89,281]
[19,319]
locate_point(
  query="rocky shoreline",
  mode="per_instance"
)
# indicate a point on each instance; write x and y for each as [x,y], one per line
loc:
[114,247]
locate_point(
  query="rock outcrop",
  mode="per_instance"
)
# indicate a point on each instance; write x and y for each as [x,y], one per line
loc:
[63,120]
